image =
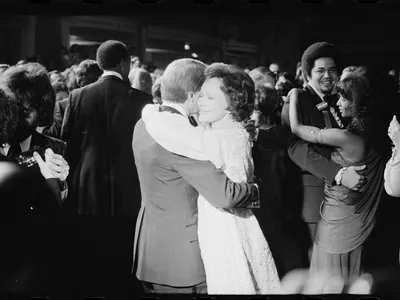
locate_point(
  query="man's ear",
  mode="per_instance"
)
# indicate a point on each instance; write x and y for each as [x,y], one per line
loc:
[191,96]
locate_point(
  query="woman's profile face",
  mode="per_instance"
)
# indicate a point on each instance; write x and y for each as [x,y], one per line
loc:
[213,102]
[344,107]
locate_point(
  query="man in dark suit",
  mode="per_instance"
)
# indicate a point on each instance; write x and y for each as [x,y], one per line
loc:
[166,243]
[98,128]
[318,108]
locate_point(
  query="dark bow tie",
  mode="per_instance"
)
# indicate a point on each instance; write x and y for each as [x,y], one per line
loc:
[331,99]
[192,121]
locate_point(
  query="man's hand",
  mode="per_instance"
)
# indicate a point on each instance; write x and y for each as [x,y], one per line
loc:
[251,129]
[352,180]
[54,166]
[301,282]
[394,132]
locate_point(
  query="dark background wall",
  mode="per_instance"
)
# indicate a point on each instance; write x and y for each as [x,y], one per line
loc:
[280,29]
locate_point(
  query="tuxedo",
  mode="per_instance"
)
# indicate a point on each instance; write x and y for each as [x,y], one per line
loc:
[316,168]
[166,244]
[98,127]
[98,130]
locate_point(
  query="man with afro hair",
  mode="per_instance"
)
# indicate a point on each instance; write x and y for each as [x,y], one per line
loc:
[317,105]
[105,193]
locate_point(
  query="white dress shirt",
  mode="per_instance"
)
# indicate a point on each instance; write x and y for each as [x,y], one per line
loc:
[113,73]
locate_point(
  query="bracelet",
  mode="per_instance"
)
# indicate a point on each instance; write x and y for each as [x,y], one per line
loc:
[314,133]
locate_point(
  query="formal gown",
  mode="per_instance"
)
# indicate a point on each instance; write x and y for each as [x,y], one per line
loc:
[235,253]
[347,219]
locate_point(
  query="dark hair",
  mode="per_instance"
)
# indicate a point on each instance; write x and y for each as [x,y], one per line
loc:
[354,87]
[30,83]
[70,78]
[111,53]
[56,76]
[316,51]
[373,101]
[60,87]
[149,66]
[290,83]
[259,74]
[267,102]
[88,71]
[237,85]
[75,48]
[8,116]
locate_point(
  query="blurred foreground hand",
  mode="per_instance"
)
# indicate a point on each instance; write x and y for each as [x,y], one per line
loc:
[301,282]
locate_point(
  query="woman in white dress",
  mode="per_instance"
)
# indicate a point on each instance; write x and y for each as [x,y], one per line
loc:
[236,255]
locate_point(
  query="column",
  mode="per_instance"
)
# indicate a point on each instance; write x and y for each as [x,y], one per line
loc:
[28,37]
[49,41]
[142,41]
[65,31]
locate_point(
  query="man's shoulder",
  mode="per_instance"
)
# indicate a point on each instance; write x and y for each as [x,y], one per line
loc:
[140,96]
[144,141]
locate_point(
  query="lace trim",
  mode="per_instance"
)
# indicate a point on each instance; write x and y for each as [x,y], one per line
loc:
[248,266]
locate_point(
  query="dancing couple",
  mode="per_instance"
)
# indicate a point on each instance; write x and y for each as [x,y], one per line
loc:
[196,232]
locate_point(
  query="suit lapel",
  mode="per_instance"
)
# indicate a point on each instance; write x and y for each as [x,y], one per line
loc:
[331,117]
[37,141]
[44,142]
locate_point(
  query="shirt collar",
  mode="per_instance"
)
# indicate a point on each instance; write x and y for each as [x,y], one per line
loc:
[176,106]
[317,92]
[113,73]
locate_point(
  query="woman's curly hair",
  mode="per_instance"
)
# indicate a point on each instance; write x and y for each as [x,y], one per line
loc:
[8,116]
[237,85]
[372,97]
[30,84]
[267,103]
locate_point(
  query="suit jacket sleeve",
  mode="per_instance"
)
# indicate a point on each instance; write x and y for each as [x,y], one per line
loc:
[54,185]
[214,185]
[67,123]
[306,156]
[55,129]
[69,133]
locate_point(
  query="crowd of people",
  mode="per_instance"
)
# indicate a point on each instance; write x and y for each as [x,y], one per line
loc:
[198,178]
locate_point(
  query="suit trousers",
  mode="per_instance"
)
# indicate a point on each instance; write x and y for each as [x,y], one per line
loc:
[153,288]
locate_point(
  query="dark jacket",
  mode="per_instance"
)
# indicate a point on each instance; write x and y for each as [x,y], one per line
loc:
[98,128]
